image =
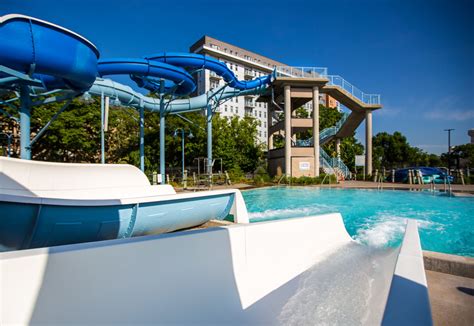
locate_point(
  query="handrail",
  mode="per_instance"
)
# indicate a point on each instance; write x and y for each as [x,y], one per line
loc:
[336,80]
[446,178]
[301,72]
[281,178]
[325,176]
[328,132]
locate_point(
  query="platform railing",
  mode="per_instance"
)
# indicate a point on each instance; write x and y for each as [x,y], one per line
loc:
[301,72]
[336,80]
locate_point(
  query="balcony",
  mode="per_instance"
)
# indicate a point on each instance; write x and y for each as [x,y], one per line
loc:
[214,76]
[249,74]
[249,104]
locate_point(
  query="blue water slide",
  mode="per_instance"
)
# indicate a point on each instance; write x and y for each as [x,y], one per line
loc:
[196,61]
[57,56]
[149,70]
[127,95]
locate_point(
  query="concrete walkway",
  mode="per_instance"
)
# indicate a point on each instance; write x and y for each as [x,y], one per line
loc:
[451,298]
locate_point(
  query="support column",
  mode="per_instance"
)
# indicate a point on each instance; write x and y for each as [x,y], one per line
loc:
[162,132]
[287,130]
[338,148]
[25,122]
[142,136]
[269,125]
[316,130]
[102,133]
[368,142]
[209,140]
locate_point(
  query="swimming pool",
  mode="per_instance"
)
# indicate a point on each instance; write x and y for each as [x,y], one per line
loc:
[374,217]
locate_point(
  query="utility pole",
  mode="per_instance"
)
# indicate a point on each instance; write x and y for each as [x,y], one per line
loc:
[449,148]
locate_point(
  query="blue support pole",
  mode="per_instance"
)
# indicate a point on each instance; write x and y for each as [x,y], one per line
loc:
[142,136]
[209,140]
[182,153]
[25,122]
[102,134]
[162,132]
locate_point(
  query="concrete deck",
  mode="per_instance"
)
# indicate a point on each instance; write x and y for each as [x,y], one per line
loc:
[451,298]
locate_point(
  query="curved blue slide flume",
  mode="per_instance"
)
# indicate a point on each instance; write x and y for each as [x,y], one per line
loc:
[147,68]
[196,61]
[57,56]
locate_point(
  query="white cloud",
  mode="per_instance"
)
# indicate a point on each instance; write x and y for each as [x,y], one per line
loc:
[450,115]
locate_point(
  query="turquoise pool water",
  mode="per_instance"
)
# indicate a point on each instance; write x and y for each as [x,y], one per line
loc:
[373,217]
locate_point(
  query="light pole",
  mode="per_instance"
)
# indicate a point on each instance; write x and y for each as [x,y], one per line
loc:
[449,148]
[9,142]
[190,135]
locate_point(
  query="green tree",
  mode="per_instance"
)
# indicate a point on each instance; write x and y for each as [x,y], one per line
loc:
[394,151]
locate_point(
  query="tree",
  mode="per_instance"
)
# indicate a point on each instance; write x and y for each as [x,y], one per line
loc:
[462,155]
[394,151]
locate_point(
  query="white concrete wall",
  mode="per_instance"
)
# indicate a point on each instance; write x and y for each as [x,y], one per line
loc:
[215,275]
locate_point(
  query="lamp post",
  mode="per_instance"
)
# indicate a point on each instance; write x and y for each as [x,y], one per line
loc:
[449,148]
[9,142]
[190,135]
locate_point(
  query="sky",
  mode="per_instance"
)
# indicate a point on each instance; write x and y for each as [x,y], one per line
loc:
[419,55]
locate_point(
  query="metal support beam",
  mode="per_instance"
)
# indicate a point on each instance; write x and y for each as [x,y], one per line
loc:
[287,91]
[25,122]
[9,115]
[142,136]
[162,132]
[269,125]
[102,134]
[316,130]
[209,139]
[46,126]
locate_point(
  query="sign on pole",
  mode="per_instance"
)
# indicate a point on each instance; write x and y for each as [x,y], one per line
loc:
[360,160]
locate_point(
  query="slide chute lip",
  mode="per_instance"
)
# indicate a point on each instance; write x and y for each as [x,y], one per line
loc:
[10,17]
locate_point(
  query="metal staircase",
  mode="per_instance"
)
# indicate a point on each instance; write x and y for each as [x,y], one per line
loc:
[331,165]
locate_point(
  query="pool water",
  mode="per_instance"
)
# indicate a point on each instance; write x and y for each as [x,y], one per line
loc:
[373,217]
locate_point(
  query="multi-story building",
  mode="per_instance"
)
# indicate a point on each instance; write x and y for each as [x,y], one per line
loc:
[246,65]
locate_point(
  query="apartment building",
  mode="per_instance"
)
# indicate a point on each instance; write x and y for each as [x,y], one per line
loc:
[246,65]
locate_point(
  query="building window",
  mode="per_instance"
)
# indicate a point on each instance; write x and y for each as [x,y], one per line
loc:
[225,108]
[214,84]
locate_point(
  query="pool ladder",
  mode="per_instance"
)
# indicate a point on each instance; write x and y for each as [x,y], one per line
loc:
[447,183]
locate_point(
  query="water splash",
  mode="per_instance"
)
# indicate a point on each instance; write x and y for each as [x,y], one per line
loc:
[272,214]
